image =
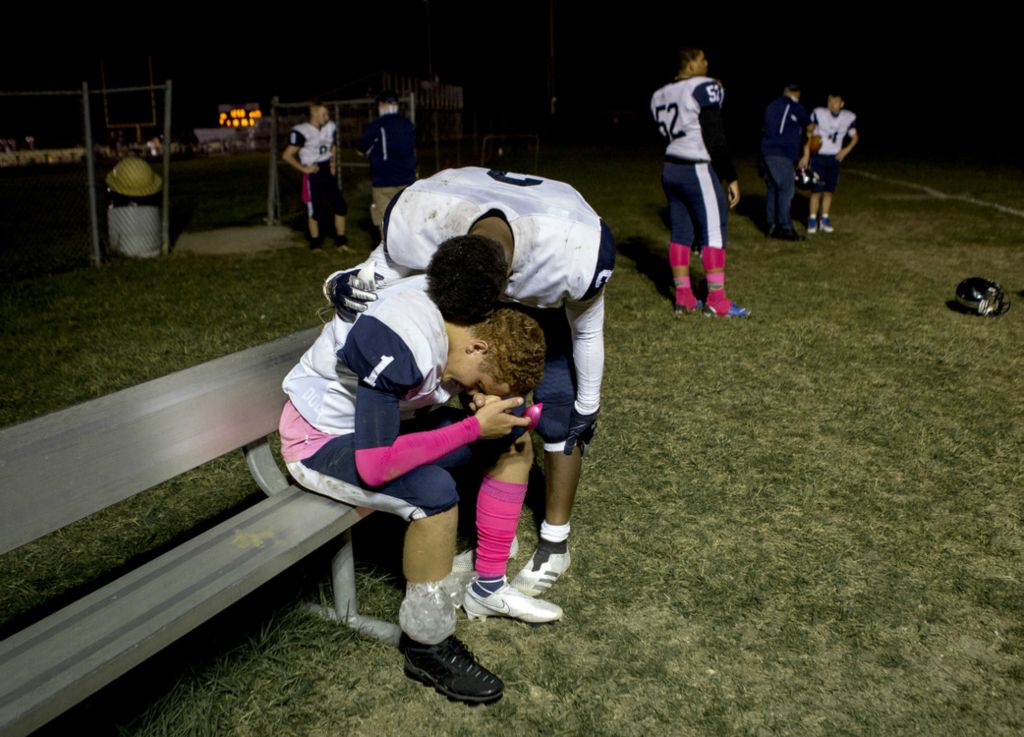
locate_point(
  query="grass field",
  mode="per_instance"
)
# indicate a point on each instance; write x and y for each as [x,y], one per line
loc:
[808,523]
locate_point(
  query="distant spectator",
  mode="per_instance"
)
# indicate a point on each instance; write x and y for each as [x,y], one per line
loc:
[390,142]
[311,151]
[785,121]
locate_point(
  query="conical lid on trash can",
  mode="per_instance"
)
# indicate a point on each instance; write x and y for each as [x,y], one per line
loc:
[133,177]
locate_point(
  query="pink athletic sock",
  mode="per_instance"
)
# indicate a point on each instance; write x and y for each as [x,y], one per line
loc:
[679,258]
[714,272]
[497,516]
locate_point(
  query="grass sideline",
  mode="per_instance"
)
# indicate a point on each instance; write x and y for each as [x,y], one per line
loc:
[807,523]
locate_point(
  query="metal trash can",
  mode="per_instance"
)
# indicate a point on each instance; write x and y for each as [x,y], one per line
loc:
[133,213]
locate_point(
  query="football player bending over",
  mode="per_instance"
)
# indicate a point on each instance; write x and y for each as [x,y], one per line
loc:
[558,256]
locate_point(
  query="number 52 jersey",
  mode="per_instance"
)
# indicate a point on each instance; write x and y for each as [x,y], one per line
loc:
[676,107]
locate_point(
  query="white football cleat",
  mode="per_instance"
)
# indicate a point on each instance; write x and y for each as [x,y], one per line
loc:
[510,602]
[541,572]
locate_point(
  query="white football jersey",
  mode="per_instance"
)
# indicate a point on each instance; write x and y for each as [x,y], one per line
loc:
[557,234]
[408,339]
[676,108]
[832,128]
[314,143]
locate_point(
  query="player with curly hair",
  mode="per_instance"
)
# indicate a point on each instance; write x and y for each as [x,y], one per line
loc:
[354,430]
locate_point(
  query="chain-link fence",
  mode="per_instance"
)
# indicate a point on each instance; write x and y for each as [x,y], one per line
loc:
[435,109]
[58,148]
[53,195]
[45,213]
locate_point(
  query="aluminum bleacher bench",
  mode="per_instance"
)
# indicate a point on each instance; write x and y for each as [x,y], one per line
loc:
[60,468]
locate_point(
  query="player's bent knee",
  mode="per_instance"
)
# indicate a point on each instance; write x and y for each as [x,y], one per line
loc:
[554,422]
[521,451]
[435,490]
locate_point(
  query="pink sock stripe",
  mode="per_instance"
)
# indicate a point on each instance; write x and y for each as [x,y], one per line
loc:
[713,258]
[378,466]
[497,516]
[506,491]
[678,254]
[682,281]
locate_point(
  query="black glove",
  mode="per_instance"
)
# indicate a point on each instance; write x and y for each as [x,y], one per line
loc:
[581,431]
[349,294]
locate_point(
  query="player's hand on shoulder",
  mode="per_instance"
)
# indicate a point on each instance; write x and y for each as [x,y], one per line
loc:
[351,291]
[496,420]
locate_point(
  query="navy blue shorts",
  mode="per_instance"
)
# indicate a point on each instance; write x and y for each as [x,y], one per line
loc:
[323,198]
[827,169]
[422,492]
[696,205]
[557,390]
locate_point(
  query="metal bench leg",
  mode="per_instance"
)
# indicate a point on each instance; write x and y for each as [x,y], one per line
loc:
[346,607]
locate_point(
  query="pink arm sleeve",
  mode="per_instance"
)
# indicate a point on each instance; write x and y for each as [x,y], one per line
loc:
[377,466]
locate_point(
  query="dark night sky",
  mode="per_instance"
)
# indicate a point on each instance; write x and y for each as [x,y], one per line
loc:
[911,86]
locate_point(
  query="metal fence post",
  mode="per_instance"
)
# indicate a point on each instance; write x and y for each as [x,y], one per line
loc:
[90,167]
[165,224]
[272,182]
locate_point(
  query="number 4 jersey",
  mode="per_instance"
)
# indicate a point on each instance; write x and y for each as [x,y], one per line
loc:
[677,106]
[833,128]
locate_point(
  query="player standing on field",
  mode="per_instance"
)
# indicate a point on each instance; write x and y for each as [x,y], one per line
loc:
[834,125]
[689,113]
[311,151]
[559,256]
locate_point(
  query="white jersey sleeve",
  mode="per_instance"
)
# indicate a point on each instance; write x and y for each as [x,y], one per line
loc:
[586,321]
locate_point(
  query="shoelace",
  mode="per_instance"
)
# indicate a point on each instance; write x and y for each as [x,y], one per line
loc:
[454,648]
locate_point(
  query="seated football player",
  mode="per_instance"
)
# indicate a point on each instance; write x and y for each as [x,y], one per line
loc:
[356,429]
[559,256]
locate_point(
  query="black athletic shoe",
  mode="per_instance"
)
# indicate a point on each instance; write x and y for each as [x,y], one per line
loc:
[451,669]
[787,235]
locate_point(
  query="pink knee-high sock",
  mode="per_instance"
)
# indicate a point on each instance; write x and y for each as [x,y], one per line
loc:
[679,260]
[497,516]
[714,272]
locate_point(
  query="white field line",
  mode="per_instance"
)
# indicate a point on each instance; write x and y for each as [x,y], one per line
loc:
[936,193]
